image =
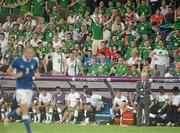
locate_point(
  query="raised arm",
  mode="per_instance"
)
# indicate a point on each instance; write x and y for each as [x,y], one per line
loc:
[106,23]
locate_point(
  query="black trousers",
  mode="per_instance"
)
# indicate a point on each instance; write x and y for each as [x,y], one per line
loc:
[172,114]
[143,104]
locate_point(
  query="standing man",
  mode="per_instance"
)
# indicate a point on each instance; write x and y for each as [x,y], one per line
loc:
[26,68]
[142,100]
[97,28]
[160,59]
[58,62]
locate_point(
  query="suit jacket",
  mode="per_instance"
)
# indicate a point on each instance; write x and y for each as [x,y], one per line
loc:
[143,91]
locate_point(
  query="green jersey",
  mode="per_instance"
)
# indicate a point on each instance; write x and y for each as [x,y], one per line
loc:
[144,10]
[16,34]
[176,73]
[15,11]
[134,74]
[121,70]
[144,28]
[88,45]
[49,34]
[107,66]
[5,11]
[97,31]
[80,7]
[25,8]
[103,74]
[70,44]
[64,3]
[92,70]
[41,52]
[37,7]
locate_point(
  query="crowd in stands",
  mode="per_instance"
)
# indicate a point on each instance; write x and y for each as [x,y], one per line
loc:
[93,37]
[82,107]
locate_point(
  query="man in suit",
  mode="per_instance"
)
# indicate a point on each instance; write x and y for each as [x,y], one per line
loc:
[142,99]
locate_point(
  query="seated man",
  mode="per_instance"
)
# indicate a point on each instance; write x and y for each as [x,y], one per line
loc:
[119,103]
[45,100]
[79,112]
[72,101]
[94,104]
[59,101]
[173,108]
[35,108]
[2,110]
[161,104]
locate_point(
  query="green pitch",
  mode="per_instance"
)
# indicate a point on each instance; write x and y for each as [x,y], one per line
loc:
[57,128]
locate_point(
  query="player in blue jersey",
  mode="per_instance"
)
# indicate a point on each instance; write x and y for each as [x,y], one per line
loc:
[24,69]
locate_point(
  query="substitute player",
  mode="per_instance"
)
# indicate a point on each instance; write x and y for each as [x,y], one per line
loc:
[24,69]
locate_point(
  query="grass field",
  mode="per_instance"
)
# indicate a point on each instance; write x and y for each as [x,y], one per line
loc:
[56,128]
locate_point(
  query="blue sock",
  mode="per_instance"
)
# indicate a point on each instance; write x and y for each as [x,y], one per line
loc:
[14,114]
[27,125]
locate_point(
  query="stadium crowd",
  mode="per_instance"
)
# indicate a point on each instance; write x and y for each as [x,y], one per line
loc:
[82,107]
[93,37]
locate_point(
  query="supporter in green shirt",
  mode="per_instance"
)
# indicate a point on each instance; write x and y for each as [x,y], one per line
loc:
[130,50]
[176,72]
[20,50]
[80,7]
[50,32]
[106,65]
[28,32]
[15,7]
[143,26]
[4,9]
[25,6]
[97,27]
[101,72]
[55,14]
[41,50]
[115,42]
[134,72]
[69,41]
[121,69]
[37,7]
[15,31]
[145,50]
[49,48]
[88,43]
[93,68]
[110,8]
[143,9]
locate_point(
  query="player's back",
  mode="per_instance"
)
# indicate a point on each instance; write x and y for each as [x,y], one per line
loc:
[27,68]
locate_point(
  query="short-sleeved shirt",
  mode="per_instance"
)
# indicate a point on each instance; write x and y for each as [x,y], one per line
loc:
[38,7]
[175,100]
[121,70]
[120,101]
[97,31]
[45,99]
[162,99]
[28,69]
[73,99]
[59,98]
[58,60]
[94,99]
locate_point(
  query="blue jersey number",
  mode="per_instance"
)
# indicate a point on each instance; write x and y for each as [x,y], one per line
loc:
[27,70]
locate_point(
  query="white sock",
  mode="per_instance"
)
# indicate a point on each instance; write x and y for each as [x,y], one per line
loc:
[50,114]
[47,116]
[35,114]
[2,113]
[85,113]
[60,113]
[39,117]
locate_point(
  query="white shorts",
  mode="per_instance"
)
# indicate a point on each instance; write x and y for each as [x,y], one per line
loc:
[24,96]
